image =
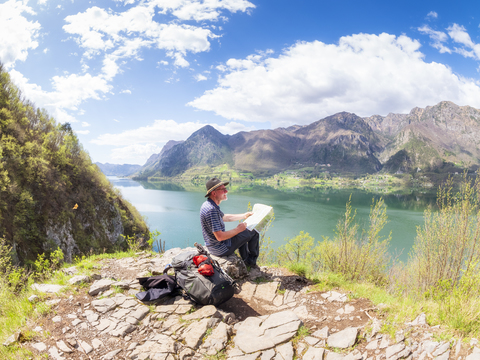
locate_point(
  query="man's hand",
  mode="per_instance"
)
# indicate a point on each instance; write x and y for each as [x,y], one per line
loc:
[241,227]
[247,215]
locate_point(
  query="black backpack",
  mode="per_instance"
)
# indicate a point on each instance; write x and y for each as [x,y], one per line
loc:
[157,287]
[205,290]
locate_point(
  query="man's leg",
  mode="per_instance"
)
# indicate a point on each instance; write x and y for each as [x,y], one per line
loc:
[247,243]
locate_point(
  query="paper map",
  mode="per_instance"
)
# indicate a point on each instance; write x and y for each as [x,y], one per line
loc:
[260,218]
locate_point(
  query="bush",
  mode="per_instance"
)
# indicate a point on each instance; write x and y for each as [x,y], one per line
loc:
[357,257]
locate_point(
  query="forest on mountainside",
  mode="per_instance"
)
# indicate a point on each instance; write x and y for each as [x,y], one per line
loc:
[51,194]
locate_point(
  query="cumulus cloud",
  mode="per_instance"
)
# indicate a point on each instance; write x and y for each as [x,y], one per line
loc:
[137,145]
[364,74]
[200,77]
[17,34]
[82,132]
[432,15]
[85,124]
[69,92]
[438,38]
[125,92]
[159,132]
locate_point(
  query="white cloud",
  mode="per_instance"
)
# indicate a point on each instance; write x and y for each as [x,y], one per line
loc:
[125,92]
[199,10]
[364,74]
[83,132]
[17,34]
[162,131]
[135,153]
[432,14]
[85,124]
[46,50]
[438,37]
[69,92]
[460,35]
[159,132]
[116,120]
[200,77]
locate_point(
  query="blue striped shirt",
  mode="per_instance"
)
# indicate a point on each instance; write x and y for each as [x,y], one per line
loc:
[211,219]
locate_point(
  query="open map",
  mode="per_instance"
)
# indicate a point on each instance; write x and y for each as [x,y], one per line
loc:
[260,218]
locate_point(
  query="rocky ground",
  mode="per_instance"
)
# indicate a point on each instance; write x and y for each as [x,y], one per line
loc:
[274,315]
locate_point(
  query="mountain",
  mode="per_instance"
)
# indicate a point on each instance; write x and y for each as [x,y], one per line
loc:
[437,137]
[117,169]
[51,194]
[206,146]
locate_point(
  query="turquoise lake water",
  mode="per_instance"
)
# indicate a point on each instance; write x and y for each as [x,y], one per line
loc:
[174,211]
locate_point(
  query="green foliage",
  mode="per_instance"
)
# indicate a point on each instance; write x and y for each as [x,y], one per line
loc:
[134,243]
[48,184]
[155,243]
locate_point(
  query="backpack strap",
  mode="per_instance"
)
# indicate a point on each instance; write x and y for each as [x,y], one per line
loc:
[167,267]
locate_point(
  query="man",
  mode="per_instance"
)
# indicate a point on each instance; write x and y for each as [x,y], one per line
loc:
[218,241]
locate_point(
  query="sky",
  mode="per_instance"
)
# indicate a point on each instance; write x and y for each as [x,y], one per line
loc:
[130,75]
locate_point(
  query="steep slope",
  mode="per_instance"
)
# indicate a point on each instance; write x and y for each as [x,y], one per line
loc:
[50,192]
[342,140]
[429,137]
[206,146]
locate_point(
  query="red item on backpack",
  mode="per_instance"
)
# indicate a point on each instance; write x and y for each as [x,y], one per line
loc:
[206,270]
[197,260]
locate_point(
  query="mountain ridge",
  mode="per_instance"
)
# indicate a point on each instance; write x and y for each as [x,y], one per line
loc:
[425,138]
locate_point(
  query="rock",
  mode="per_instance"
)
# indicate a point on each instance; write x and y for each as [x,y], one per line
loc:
[255,334]
[266,291]
[12,339]
[72,270]
[334,296]
[204,312]
[392,350]
[334,356]
[47,288]
[79,279]
[285,351]
[419,320]
[194,333]
[343,339]
[322,333]
[441,349]
[314,354]
[232,265]
[444,356]
[54,354]
[111,355]
[97,344]
[100,286]
[57,319]
[372,345]
[247,290]
[63,347]
[312,341]
[217,339]
[104,305]
[87,349]
[140,313]
[268,355]
[40,346]
[385,342]
[33,298]
[473,356]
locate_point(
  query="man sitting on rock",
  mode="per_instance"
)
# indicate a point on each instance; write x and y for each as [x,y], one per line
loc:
[218,241]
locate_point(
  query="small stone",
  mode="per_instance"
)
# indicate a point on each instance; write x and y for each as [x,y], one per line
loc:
[343,339]
[97,343]
[40,346]
[85,347]
[33,298]
[111,355]
[314,354]
[57,319]
[322,333]
[63,347]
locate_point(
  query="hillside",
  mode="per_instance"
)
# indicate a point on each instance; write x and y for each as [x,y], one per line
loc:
[117,169]
[437,138]
[51,195]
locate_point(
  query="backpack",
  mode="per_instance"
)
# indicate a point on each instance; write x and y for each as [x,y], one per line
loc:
[207,289]
[157,287]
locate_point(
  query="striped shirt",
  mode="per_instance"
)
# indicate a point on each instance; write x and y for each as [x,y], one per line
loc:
[211,219]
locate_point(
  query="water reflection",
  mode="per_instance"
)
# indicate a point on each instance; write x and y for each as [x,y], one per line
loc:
[173,209]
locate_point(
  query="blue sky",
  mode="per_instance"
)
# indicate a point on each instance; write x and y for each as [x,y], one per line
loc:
[129,75]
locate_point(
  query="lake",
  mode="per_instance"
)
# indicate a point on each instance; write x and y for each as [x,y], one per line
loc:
[174,211]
